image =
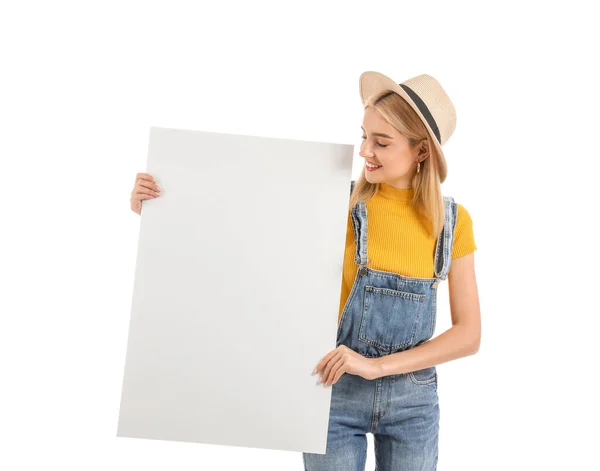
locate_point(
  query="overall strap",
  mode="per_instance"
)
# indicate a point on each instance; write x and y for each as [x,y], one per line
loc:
[443,248]
[359,222]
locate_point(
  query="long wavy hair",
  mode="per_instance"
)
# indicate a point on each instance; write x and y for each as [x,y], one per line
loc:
[428,199]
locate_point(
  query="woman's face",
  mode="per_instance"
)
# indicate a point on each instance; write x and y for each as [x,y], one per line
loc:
[383,145]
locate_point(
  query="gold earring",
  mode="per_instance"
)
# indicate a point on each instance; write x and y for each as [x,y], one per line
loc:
[418,166]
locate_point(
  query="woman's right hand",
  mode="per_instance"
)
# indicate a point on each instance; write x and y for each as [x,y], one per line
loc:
[145,188]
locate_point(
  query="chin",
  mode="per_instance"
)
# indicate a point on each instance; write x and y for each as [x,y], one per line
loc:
[373,178]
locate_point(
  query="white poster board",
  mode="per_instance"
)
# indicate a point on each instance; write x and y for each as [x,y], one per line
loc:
[237,290]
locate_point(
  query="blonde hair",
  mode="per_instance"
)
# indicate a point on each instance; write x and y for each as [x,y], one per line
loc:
[428,198]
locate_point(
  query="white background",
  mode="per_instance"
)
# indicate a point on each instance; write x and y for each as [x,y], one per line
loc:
[81,84]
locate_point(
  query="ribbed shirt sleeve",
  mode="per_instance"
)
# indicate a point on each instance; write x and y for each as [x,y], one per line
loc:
[464,239]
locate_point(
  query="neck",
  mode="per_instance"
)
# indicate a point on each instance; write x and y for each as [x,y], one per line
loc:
[393,193]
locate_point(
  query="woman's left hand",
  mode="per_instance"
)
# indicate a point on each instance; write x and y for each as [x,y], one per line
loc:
[345,360]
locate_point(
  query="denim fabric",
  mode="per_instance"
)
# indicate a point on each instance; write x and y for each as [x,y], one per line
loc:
[387,313]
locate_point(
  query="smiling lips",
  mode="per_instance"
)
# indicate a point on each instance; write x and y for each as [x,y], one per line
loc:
[371,166]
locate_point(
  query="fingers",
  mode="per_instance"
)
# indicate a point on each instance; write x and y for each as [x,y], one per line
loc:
[336,371]
[143,176]
[146,180]
[324,361]
[145,188]
[149,185]
[145,184]
[142,196]
[333,361]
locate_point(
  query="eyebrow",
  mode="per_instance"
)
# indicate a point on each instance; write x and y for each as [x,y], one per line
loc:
[379,134]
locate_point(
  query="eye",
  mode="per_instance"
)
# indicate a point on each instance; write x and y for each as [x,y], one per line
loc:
[380,145]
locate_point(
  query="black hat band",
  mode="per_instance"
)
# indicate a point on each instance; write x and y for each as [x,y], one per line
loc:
[424,111]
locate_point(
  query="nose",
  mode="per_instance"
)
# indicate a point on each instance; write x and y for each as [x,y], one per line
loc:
[365,150]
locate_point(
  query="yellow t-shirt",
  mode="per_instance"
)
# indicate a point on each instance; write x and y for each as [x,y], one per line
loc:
[397,241]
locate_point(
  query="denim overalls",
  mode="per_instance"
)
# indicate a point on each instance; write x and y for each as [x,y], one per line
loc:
[386,313]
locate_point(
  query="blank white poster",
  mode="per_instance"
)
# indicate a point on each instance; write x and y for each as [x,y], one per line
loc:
[236,291]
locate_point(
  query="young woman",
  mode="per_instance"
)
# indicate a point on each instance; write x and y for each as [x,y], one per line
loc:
[382,370]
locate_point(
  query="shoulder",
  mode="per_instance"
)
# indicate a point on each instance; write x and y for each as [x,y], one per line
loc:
[462,215]
[464,237]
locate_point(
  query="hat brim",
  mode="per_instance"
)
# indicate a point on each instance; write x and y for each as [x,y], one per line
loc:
[372,83]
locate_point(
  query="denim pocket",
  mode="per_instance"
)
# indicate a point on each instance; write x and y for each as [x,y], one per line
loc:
[390,317]
[424,376]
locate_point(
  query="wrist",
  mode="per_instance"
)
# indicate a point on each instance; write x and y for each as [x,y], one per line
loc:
[379,367]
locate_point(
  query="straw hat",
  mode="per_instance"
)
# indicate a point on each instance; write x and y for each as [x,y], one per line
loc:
[427,98]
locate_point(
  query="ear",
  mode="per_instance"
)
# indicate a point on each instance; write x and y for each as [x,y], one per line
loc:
[423,151]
